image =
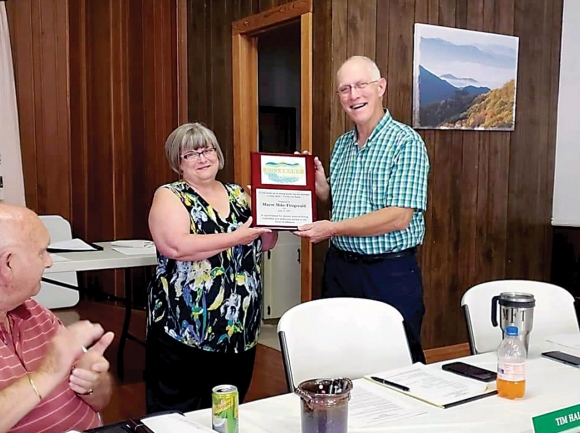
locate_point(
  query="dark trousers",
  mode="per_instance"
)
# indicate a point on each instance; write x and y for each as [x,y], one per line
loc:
[181,377]
[395,281]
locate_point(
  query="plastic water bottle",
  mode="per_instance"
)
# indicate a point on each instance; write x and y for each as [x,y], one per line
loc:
[511,362]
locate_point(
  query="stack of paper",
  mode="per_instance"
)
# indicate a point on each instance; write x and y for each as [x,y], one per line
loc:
[432,385]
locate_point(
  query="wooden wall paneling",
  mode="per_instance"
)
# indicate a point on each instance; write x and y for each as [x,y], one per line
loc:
[40,56]
[400,58]
[322,100]
[20,23]
[546,157]
[439,295]
[361,28]
[455,236]
[479,199]
[182,60]
[447,10]
[245,54]
[79,115]
[461,11]
[52,106]
[529,143]
[221,82]
[421,14]
[423,255]
[266,4]
[159,93]
[121,151]
[198,67]
[165,76]
[338,123]
[468,243]
[100,111]
[434,268]
[557,13]
[485,250]
[100,153]
[433,11]
[505,15]
[489,16]
[145,151]
[497,217]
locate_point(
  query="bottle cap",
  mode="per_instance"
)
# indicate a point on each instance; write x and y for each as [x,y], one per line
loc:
[511,331]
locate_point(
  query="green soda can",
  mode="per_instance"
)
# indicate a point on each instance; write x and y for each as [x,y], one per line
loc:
[224,409]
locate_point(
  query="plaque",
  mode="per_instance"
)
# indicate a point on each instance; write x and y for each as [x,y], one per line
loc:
[283,190]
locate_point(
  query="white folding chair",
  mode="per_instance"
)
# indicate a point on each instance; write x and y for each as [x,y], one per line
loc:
[554,312]
[52,295]
[341,337]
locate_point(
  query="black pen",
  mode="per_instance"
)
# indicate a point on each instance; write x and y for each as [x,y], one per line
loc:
[137,426]
[389,383]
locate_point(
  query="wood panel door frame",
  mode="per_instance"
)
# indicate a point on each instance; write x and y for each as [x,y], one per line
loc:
[245,97]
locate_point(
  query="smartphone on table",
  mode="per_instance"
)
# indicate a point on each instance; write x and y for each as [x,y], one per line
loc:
[562,357]
[471,371]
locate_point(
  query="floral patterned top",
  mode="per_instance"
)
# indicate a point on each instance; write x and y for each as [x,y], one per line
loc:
[213,304]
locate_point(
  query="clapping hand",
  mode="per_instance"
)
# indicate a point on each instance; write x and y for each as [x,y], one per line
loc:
[91,368]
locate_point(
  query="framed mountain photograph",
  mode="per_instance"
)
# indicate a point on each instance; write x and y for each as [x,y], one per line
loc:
[464,79]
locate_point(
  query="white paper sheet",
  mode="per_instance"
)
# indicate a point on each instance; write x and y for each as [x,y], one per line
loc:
[133,243]
[372,405]
[174,423]
[72,244]
[135,251]
[566,340]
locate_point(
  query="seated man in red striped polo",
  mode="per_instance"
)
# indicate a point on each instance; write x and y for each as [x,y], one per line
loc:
[48,381]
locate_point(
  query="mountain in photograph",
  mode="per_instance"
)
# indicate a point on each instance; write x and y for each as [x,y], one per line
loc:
[491,110]
[436,50]
[459,81]
[434,89]
[439,101]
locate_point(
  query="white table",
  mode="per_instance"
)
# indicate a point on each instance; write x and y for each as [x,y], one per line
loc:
[549,386]
[107,258]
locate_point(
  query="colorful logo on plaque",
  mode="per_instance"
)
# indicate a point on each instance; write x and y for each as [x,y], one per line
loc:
[283,172]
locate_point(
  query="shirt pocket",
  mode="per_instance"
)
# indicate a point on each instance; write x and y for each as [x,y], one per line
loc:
[375,191]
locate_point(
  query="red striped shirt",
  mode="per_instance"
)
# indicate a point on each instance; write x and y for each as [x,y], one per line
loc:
[22,351]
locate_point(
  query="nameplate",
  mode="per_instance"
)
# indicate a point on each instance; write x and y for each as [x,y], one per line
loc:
[557,421]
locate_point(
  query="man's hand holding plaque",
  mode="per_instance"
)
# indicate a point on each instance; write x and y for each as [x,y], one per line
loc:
[283,190]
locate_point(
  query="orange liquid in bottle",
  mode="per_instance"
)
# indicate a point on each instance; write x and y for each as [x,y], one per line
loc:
[511,390]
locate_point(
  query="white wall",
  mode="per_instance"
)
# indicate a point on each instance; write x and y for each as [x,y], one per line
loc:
[566,204]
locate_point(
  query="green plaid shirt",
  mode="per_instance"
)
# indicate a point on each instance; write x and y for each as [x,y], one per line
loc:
[390,170]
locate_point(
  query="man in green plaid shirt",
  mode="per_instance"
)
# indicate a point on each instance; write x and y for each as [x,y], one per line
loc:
[378,189]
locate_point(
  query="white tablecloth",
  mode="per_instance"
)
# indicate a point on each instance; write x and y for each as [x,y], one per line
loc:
[549,386]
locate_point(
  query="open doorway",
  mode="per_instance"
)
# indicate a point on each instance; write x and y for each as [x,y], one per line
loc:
[279,131]
[277,119]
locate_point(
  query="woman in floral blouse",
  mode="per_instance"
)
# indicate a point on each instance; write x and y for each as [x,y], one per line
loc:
[205,302]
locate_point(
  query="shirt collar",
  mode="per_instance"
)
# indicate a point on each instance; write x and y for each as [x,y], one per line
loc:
[385,120]
[21,312]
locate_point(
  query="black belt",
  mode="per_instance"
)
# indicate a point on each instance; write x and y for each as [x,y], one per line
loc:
[351,257]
